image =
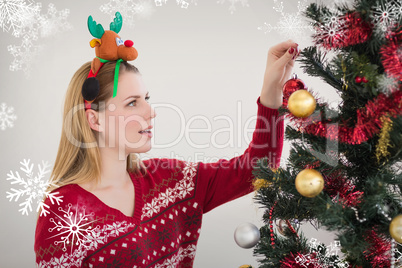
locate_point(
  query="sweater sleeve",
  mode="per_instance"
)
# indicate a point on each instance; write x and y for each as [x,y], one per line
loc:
[226,180]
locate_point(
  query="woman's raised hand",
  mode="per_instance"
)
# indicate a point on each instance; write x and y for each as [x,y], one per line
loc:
[279,66]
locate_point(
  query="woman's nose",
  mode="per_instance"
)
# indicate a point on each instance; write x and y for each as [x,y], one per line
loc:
[153,113]
[128,43]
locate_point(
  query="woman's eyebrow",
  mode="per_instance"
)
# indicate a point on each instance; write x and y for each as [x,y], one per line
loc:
[135,96]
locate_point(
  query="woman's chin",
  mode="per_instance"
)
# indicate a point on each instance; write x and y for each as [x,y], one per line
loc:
[143,149]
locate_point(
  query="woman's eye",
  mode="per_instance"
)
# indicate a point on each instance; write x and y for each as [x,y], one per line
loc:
[134,101]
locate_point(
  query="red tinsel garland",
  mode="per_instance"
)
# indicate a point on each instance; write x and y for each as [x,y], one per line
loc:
[368,120]
[379,253]
[349,30]
[337,185]
[391,55]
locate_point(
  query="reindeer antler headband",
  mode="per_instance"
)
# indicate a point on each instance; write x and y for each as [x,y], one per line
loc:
[108,47]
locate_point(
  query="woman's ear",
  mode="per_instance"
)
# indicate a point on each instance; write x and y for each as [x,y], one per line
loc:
[93,120]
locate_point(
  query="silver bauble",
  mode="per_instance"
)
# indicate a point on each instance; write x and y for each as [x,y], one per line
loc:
[247,235]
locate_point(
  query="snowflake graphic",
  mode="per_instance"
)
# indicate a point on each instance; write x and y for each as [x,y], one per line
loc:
[6,116]
[396,255]
[127,8]
[15,14]
[385,15]
[73,228]
[54,21]
[28,30]
[333,5]
[232,7]
[159,2]
[181,3]
[24,54]
[398,10]
[333,29]
[332,249]
[142,9]
[290,25]
[321,256]
[334,22]
[34,188]
[387,84]
[51,23]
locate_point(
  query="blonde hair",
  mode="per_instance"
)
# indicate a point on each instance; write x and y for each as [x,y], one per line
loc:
[78,163]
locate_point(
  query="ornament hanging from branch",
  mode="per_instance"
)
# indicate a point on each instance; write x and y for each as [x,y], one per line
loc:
[297,99]
[309,183]
[291,86]
[247,235]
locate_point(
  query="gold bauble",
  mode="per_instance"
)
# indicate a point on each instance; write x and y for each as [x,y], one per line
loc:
[309,182]
[246,266]
[395,228]
[301,103]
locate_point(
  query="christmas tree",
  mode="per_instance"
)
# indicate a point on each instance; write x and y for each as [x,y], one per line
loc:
[344,168]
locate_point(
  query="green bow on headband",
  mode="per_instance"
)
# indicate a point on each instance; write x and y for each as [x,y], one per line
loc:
[116,74]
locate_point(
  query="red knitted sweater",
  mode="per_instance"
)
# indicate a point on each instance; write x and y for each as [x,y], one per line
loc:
[169,203]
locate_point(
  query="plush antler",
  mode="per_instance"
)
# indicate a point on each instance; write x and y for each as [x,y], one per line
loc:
[95,29]
[115,26]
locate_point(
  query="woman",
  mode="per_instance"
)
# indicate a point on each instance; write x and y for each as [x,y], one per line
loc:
[123,212]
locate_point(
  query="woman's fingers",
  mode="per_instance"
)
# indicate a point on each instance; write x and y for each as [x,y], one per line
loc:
[286,58]
[283,47]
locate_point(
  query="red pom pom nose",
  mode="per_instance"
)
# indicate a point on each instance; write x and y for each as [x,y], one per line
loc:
[128,43]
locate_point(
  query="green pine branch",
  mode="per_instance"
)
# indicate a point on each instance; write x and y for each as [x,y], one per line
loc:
[314,63]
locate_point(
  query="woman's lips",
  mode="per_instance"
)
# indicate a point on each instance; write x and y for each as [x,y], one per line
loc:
[147,133]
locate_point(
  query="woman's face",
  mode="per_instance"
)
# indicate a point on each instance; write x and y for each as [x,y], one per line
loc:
[125,115]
